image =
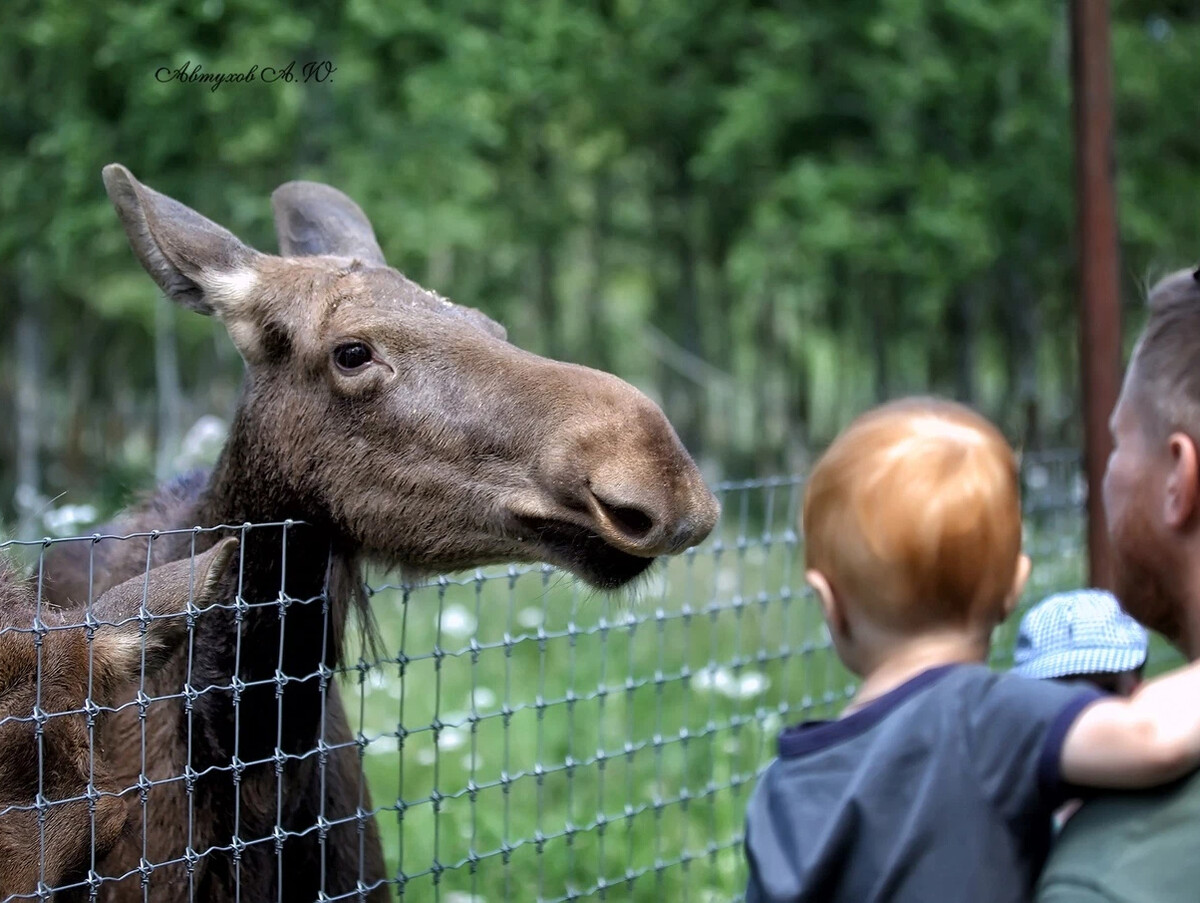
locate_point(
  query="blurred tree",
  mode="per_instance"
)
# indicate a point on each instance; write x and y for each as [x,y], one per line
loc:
[767,215]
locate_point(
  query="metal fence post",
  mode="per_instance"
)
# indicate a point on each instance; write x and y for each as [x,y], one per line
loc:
[1099,308]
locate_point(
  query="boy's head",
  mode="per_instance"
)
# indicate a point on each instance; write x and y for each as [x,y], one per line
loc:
[1082,634]
[912,519]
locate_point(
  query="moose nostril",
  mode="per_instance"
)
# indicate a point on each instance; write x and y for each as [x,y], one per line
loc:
[684,535]
[633,522]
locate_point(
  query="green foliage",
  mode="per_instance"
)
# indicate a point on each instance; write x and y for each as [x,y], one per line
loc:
[768,216]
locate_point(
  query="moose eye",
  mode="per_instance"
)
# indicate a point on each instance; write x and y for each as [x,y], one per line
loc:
[352,355]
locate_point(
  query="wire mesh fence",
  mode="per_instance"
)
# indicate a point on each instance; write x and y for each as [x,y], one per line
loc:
[515,736]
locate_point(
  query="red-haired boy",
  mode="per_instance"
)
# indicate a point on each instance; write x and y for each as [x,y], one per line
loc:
[939,780]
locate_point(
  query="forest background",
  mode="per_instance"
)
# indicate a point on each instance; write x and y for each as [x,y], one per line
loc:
[768,215]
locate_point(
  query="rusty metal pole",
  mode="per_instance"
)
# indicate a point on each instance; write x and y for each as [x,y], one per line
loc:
[1098,269]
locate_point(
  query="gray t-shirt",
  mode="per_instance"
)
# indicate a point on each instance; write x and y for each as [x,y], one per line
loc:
[940,791]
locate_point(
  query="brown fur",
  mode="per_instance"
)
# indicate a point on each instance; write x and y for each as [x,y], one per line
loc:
[49,665]
[448,448]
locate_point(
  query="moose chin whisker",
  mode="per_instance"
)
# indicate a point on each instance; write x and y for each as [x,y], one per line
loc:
[583,552]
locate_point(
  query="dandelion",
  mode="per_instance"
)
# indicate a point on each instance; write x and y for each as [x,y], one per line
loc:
[756,555]
[472,762]
[451,738]
[383,746]
[530,617]
[457,622]
[69,518]
[653,586]
[719,679]
[727,580]
[483,698]
[202,443]
[1037,477]
[627,617]
[749,685]
[712,677]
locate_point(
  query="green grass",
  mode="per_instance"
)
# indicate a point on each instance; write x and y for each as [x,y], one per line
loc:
[658,704]
[575,746]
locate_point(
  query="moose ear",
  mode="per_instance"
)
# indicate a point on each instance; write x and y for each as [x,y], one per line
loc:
[119,643]
[313,219]
[196,262]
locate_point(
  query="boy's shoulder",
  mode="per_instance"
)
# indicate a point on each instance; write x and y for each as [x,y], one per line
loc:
[934,691]
[937,705]
[955,732]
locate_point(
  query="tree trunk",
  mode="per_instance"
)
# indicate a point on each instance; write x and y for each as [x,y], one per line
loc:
[690,403]
[80,414]
[440,269]
[880,337]
[170,398]
[1024,318]
[964,342]
[29,337]
[545,264]
[595,351]
[1027,385]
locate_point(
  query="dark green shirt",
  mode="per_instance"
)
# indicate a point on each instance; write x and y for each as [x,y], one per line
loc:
[1139,847]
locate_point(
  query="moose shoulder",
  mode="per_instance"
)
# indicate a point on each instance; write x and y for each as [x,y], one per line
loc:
[392,425]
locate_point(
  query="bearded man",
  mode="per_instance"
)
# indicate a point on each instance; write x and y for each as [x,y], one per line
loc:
[1136,847]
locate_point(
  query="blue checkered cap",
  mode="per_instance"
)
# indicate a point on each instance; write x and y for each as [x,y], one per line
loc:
[1079,632]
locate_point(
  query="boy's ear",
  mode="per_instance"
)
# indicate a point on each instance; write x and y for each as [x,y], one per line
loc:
[831,605]
[1020,578]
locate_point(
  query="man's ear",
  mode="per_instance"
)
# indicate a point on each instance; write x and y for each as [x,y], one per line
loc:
[1020,578]
[1179,502]
[831,605]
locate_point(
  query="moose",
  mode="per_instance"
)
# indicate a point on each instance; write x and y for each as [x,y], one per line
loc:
[378,421]
[54,690]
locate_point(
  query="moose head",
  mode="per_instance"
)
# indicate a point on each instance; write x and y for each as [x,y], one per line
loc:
[404,423]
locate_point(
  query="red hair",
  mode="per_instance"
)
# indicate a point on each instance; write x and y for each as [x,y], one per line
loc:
[914,512]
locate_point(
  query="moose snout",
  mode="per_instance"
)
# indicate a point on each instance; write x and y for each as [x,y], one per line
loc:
[619,469]
[639,523]
[612,487]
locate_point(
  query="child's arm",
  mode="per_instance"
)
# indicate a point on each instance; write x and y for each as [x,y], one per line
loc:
[1148,739]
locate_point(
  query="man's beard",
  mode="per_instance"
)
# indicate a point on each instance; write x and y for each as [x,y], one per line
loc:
[1142,573]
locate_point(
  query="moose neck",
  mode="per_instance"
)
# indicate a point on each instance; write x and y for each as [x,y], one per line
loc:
[304,566]
[303,557]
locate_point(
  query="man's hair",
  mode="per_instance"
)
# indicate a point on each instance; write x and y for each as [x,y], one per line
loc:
[914,512]
[1165,368]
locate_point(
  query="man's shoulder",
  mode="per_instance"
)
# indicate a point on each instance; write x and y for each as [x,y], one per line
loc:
[1130,846]
[1134,815]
